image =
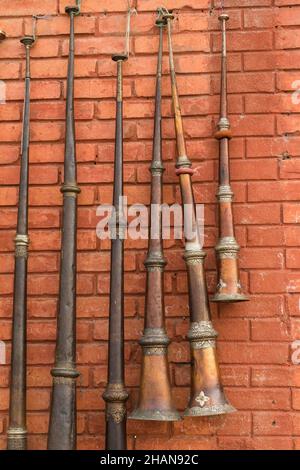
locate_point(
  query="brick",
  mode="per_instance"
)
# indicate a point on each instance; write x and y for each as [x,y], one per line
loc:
[254,125]
[17,8]
[247,170]
[275,191]
[12,26]
[259,18]
[144,443]
[290,169]
[287,124]
[245,41]
[265,147]
[9,70]
[113,24]
[91,7]
[275,331]
[259,399]
[9,153]
[188,85]
[257,443]
[268,281]
[286,2]
[198,42]
[296,399]
[267,236]
[292,258]
[287,39]
[150,5]
[95,46]
[247,82]
[253,353]
[292,235]
[58,25]
[8,196]
[291,213]
[91,353]
[257,214]
[39,90]
[272,376]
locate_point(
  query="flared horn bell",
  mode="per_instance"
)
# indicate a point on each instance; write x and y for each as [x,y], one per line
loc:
[207,395]
[155,399]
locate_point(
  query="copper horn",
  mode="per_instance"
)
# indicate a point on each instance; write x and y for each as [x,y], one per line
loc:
[229,288]
[115,394]
[155,400]
[17,432]
[62,426]
[207,395]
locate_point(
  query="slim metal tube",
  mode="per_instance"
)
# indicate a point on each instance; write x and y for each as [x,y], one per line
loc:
[207,395]
[229,288]
[62,427]
[17,432]
[115,394]
[155,399]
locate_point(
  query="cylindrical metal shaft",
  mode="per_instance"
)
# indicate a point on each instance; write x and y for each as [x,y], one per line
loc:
[115,394]
[62,427]
[17,433]
[229,288]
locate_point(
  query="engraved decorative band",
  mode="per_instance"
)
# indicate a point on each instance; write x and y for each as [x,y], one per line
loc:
[202,335]
[225,194]
[157,168]
[116,411]
[192,257]
[21,246]
[227,247]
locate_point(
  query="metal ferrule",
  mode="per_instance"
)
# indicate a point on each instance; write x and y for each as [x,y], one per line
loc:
[227,247]
[225,194]
[223,124]
[21,246]
[16,438]
[155,262]
[70,189]
[183,162]
[194,257]
[115,397]
[202,335]
[157,168]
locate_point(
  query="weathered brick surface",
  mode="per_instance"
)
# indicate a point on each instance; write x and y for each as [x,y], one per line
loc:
[254,346]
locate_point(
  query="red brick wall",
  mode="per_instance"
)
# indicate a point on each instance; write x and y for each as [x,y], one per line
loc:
[254,341]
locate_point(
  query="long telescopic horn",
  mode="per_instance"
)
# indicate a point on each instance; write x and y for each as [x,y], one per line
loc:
[115,394]
[207,395]
[17,433]
[155,400]
[229,288]
[62,427]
